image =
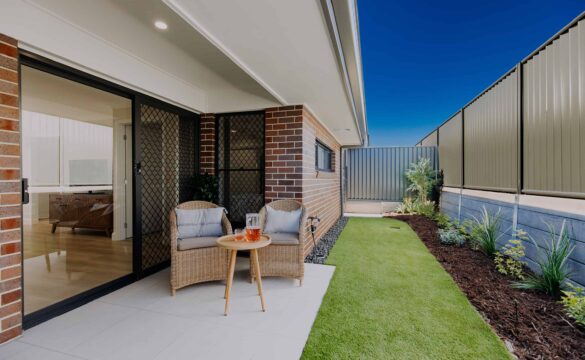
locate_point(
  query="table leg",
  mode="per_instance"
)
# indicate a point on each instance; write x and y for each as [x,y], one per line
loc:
[229,265]
[230,280]
[254,254]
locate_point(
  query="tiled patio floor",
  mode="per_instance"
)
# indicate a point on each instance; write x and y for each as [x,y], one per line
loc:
[142,321]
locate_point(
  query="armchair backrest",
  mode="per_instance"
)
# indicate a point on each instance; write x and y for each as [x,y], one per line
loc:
[189,205]
[285,205]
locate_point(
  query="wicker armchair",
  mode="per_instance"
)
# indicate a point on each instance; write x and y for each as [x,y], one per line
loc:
[201,264]
[283,260]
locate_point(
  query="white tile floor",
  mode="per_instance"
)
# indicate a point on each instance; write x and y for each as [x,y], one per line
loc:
[142,321]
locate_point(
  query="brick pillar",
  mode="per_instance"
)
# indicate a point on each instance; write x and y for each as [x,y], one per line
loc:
[207,145]
[10,209]
[284,153]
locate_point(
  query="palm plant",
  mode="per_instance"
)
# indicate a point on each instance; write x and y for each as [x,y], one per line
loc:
[552,264]
[420,176]
[485,231]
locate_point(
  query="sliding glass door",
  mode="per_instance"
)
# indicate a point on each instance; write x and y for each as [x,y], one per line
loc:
[102,168]
[75,162]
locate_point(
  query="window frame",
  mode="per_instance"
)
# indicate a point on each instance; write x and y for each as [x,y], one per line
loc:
[320,144]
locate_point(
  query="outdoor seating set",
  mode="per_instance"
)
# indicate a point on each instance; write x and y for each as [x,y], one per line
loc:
[204,248]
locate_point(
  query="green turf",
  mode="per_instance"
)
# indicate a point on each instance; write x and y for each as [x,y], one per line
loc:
[390,299]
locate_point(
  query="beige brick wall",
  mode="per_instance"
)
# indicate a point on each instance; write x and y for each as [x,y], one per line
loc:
[10,208]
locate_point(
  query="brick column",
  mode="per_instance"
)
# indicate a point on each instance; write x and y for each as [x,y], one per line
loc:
[10,209]
[284,153]
[207,145]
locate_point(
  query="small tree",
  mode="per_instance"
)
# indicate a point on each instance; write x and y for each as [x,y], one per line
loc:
[421,178]
[205,187]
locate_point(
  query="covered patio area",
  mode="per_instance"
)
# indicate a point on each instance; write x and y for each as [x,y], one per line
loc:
[141,321]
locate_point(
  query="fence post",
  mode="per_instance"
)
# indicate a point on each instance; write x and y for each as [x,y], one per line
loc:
[462,163]
[520,144]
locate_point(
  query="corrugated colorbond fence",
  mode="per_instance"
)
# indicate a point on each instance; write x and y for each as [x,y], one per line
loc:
[378,173]
[524,135]
[526,132]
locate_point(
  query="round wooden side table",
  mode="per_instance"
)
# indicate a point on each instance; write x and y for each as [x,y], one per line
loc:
[228,242]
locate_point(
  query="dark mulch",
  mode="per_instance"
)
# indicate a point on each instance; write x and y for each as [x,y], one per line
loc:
[320,252]
[534,323]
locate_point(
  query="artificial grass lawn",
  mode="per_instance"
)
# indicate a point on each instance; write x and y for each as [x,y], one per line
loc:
[390,299]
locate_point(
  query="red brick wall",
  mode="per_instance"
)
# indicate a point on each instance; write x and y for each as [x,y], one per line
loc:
[321,189]
[10,235]
[291,133]
[283,153]
[207,145]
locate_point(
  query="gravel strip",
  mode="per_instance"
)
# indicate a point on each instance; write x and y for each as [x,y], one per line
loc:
[320,252]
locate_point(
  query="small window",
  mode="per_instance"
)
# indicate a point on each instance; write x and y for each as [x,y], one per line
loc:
[323,157]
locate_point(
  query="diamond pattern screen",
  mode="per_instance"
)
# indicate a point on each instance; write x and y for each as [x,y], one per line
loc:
[167,147]
[240,164]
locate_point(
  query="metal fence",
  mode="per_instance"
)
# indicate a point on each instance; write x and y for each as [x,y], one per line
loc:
[378,173]
[525,132]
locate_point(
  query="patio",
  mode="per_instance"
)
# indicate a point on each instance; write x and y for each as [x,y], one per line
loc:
[142,321]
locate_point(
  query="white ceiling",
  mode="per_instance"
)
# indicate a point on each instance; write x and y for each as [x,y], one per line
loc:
[216,56]
[285,45]
[179,52]
[48,94]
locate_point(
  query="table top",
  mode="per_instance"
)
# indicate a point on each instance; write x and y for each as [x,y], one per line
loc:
[228,242]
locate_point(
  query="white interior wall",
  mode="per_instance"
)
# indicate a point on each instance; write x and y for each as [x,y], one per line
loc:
[83,142]
[122,168]
[48,144]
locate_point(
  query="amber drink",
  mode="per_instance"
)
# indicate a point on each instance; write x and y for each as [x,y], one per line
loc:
[252,227]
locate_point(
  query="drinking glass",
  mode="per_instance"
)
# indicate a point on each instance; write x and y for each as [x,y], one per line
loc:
[252,227]
[239,235]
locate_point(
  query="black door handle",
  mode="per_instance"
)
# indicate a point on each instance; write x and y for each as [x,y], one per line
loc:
[25,195]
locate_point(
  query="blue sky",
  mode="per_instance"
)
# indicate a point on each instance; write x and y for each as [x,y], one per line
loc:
[424,60]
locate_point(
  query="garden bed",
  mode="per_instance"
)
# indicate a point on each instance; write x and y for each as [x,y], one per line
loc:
[534,324]
[320,252]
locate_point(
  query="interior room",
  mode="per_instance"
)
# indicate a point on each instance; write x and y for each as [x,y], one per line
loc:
[77,162]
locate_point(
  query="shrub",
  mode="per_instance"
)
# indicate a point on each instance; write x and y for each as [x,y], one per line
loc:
[552,264]
[574,303]
[460,227]
[425,208]
[443,220]
[421,179]
[437,187]
[509,259]
[205,187]
[484,232]
[451,237]
[406,207]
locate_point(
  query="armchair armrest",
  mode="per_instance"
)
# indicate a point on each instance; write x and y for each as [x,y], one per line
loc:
[226,225]
[303,225]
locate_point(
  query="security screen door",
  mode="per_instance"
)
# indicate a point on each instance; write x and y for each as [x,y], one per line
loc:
[240,163]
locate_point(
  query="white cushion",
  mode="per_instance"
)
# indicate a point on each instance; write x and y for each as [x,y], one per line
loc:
[196,243]
[193,223]
[284,238]
[278,221]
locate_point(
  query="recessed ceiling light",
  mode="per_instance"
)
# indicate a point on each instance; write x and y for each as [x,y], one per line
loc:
[161,25]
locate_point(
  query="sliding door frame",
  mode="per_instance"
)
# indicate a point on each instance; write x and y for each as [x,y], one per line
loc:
[139,100]
[32,60]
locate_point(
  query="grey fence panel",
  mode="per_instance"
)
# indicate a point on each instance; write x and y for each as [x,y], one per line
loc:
[378,173]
